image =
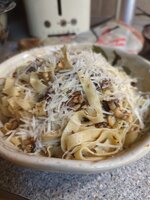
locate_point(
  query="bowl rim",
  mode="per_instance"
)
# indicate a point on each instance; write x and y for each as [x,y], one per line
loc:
[57,164]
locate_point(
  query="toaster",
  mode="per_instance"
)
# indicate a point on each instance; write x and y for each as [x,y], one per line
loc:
[57,17]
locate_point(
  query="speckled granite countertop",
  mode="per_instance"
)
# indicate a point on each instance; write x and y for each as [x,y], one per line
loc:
[127,183]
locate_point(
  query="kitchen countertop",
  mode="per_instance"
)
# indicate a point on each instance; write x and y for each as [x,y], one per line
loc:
[127,183]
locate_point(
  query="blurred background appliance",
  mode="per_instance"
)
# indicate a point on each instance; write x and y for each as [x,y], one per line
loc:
[55,17]
[125,10]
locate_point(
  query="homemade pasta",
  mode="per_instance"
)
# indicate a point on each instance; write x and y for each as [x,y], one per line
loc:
[71,104]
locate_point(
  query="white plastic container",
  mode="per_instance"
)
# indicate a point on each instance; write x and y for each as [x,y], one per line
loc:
[55,17]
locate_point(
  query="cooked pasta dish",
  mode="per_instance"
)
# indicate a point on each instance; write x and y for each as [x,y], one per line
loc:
[71,104]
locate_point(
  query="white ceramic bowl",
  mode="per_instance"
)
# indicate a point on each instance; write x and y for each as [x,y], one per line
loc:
[135,65]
